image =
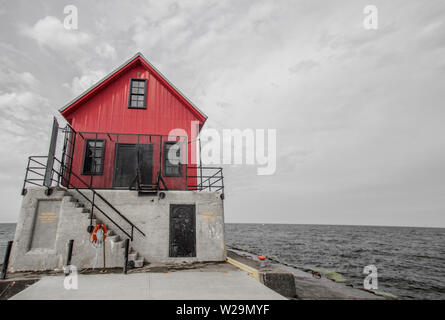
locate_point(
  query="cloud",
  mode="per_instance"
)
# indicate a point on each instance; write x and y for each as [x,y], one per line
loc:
[85,81]
[13,80]
[50,32]
[303,66]
[106,51]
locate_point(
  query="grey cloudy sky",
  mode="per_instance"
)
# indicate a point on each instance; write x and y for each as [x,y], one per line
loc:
[359,114]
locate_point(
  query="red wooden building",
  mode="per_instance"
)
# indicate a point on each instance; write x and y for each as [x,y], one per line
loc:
[133,130]
[120,132]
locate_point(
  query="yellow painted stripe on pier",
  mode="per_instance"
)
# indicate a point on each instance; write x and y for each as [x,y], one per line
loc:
[251,271]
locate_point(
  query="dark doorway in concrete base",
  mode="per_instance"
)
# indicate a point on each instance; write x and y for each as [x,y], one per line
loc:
[182,230]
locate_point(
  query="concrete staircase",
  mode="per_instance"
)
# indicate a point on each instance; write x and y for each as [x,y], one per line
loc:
[114,239]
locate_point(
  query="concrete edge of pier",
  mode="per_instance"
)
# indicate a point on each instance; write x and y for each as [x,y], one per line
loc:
[298,284]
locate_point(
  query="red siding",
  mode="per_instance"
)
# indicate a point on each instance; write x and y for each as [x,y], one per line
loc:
[107,111]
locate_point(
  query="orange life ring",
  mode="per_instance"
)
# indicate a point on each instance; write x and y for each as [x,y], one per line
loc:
[99,226]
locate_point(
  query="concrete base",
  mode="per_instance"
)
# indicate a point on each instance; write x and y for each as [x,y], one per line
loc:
[47,223]
[182,285]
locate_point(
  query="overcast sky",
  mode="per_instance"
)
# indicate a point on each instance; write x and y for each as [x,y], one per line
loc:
[359,114]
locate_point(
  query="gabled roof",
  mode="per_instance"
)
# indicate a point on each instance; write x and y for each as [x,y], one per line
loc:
[138,57]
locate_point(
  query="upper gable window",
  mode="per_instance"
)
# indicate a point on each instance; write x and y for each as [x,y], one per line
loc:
[138,94]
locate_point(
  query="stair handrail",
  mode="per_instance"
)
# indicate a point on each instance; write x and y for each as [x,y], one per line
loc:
[30,168]
[101,197]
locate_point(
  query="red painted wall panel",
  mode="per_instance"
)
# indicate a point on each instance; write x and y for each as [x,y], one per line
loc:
[107,112]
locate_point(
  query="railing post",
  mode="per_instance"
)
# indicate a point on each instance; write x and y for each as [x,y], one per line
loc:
[186,177]
[26,177]
[200,164]
[72,155]
[68,257]
[62,160]
[127,246]
[92,209]
[6,260]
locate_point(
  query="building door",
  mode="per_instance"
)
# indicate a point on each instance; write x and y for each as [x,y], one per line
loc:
[146,163]
[182,230]
[130,157]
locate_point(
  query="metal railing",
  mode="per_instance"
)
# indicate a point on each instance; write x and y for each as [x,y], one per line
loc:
[74,148]
[207,178]
[34,176]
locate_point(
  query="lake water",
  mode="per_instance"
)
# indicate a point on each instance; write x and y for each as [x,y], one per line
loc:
[410,261]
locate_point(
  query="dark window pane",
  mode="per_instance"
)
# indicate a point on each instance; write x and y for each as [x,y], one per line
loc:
[97,144]
[94,153]
[137,94]
[172,159]
[98,153]
[172,171]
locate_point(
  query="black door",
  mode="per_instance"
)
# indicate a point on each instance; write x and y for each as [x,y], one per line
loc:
[128,158]
[146,163]
[182,230]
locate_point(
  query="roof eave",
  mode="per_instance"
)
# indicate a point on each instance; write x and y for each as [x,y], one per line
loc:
[139,54]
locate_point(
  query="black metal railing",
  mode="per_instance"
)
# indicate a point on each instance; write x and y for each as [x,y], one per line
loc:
[34,176]
[137,184]
[74,148]
[206,178]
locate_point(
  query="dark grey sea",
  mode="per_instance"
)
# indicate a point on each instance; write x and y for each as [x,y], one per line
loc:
[410,261]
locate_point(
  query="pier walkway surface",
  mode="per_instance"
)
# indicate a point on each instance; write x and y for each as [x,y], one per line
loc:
[187,284]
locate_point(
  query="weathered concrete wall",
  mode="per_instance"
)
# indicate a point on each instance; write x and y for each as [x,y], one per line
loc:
[47,223]
[43,232]
[152,214]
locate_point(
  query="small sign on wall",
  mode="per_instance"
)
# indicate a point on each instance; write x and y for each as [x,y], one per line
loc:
[47,217]
[208,216]
[45,225]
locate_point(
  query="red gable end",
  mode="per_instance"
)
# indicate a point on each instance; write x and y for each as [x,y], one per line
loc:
[105,106]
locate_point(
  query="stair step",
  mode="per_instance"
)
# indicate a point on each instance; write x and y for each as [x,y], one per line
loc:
[120,243]
[115,238]
[132,256]
[139,263]
[147,192]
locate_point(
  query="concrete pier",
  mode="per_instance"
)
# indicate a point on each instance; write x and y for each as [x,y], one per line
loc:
[298,284]
[187,285]
[242,278]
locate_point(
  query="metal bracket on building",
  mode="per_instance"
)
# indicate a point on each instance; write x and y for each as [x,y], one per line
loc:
[48,191]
